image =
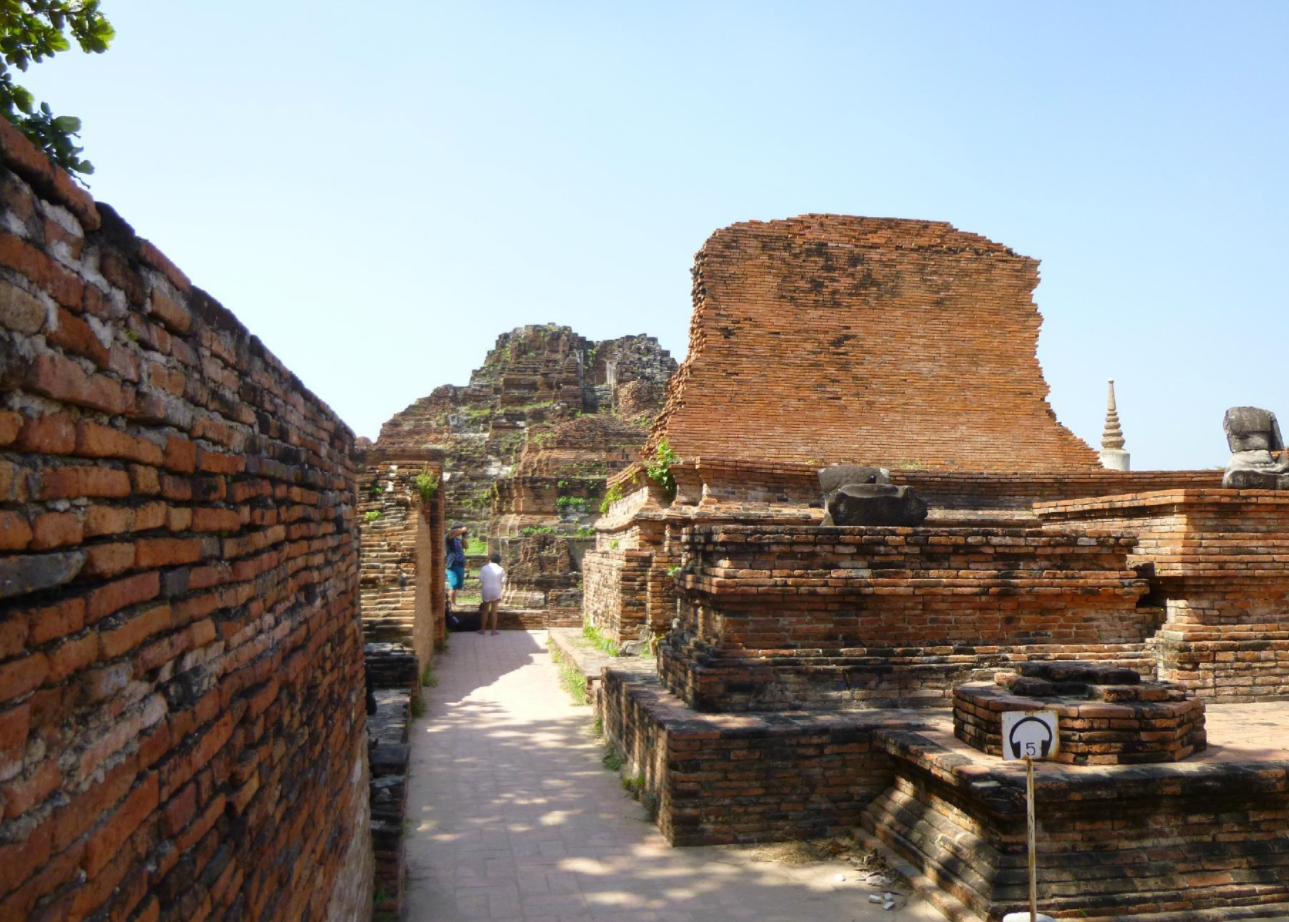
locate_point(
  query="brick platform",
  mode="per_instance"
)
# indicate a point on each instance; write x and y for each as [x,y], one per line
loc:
[1172,841]
[1216,564]
[1178,841]
[782,617]
[1107,716]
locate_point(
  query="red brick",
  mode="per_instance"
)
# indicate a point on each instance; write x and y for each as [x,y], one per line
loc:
[173,315]
[121,824]
[205,518]
[108,559]
[62,379]
[51,434]
[179,810]
[65,287]
[213,462]
[31,788]
[85,809]
[151,256]
[115,596]
[55,529]
[74,335]
[84,481]
[165,552]
[19,676]
[180,455]
[15,533]
[19,861]
[14,630]
[108,520]
[120,640]
[56,620]
[71,656]
[10,425]
[144,480]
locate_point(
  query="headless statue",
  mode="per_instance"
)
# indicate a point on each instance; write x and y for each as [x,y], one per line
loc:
[1254,437]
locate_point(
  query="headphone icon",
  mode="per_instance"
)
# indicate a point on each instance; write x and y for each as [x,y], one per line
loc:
[1017,743]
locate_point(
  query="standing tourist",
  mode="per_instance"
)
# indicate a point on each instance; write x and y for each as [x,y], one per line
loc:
[493,578]
[457,535]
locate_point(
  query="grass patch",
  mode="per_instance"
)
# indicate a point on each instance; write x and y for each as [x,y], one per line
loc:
[570,677]
[597,728]
[418,707]
[476,547]
[634,786]
[599,641]
[612,760]
[428,678]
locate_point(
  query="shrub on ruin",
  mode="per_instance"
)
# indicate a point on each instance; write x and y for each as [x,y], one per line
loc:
[427,484]
[612,496]
[659,467]
[30,31]
[371,515]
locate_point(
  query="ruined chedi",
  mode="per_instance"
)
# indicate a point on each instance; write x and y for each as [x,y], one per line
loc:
[1112,454]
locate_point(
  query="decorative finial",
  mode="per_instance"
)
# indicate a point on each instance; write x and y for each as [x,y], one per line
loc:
[1112,454]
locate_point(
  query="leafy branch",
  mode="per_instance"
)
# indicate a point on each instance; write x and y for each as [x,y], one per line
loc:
[30,31]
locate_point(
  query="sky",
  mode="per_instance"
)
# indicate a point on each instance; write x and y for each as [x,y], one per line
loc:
[379,191]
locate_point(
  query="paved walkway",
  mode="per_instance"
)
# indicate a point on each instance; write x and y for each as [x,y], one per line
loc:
[513,817]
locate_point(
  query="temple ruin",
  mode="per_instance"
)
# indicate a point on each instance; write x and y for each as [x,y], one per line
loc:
[811,679]
[217,607]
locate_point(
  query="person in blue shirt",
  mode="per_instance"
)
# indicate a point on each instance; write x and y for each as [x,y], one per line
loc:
[457,535]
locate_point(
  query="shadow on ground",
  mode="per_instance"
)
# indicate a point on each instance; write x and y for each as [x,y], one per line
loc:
[512,816]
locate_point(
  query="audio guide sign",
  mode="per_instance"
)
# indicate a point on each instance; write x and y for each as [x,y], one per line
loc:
[1030,735]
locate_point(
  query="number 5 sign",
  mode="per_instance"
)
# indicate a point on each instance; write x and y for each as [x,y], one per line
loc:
[1030,735]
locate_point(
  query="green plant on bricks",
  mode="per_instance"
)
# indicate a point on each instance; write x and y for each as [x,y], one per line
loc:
[427,484]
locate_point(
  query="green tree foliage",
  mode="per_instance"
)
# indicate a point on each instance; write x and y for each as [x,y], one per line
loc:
[32,30]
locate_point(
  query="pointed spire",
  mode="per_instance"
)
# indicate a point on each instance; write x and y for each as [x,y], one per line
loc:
[1112,435]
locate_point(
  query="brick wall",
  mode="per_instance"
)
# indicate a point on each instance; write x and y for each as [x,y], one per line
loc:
[715,779]
[402,558]
[872,340]
[181,689]
[1216,563]
[777,617]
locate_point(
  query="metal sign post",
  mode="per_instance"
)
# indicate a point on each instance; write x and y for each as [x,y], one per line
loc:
[1030,735]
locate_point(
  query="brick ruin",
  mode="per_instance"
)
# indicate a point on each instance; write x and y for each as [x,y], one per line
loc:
[182,732]
[898,343]
[806,677]
[527,447]
[401,590]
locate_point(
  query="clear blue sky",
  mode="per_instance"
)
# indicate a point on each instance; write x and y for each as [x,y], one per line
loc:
[379,190]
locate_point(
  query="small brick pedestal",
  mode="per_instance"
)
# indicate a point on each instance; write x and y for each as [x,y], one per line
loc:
[1107,716]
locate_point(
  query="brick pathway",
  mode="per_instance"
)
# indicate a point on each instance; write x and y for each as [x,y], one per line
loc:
[512,817]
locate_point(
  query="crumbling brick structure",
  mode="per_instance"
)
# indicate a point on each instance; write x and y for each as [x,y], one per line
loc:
[402,558]
[527,447]
[792,656]
[870,340]
[181,689]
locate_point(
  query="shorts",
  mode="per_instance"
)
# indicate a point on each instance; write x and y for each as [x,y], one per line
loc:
[456,577]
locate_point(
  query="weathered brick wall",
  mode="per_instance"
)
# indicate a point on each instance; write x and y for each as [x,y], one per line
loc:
[873,340]
[181,689]
[775,617]
[1184,843]
[1216,562]
[402,558]
[714,779]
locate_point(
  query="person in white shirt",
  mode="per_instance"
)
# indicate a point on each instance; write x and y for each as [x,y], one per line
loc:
[493,579]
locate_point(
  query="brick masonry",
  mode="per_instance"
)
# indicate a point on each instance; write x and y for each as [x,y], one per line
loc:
[1215,560]
[871,340]
[725,778]
[402,569]
[1186,842]
[181,721]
